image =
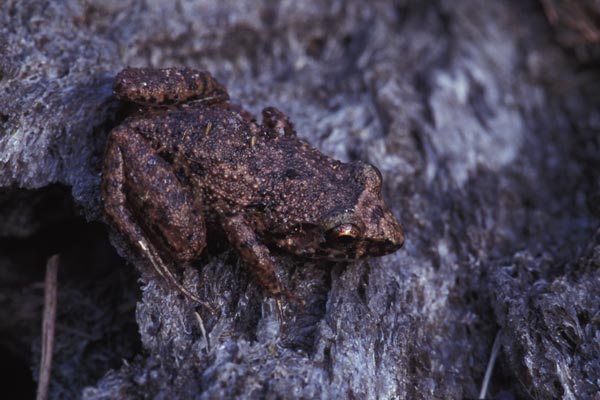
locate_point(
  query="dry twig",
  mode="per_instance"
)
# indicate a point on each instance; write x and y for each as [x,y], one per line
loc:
[490,366]
[203,330]
[48,326]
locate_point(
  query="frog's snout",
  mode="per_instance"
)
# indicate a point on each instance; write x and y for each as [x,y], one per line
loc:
[393,232]
[376,248]
[383,234]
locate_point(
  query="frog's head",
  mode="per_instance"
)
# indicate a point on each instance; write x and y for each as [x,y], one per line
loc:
[366,229]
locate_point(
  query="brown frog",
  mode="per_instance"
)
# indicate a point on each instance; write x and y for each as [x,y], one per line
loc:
[189,158]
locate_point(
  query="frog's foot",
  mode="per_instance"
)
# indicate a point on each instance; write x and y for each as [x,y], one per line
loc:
[277,122]
[289,297]
[292,298]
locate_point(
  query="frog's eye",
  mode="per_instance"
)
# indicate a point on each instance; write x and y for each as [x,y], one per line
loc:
[343,234]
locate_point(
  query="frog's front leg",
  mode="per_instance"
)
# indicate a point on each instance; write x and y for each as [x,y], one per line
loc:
[147,204]
[255,254]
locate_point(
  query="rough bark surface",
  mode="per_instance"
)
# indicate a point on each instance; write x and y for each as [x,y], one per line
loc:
[484,121]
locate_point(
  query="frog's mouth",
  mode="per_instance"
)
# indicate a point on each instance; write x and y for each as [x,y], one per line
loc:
[314,245]
[340,250]
[360,250]
[354,239]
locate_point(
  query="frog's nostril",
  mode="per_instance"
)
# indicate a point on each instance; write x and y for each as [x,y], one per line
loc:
[395,244]
[395,241]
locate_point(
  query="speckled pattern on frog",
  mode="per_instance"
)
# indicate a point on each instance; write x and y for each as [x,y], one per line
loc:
[187,153]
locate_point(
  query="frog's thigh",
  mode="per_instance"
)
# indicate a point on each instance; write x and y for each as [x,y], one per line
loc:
[254,253]
[154,196]
[167,86]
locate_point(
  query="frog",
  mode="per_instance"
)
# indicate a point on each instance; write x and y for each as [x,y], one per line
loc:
[187,159]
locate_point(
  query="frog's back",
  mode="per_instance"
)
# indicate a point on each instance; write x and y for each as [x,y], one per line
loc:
[249,165]
[242,163]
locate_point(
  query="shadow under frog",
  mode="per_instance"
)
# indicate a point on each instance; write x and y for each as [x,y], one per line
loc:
[188,153]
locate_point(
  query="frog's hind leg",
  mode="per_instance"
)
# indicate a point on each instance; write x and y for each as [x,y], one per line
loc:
[167,86]
[147,204]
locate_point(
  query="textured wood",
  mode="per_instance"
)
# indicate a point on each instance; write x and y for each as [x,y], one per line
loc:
[483,123]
